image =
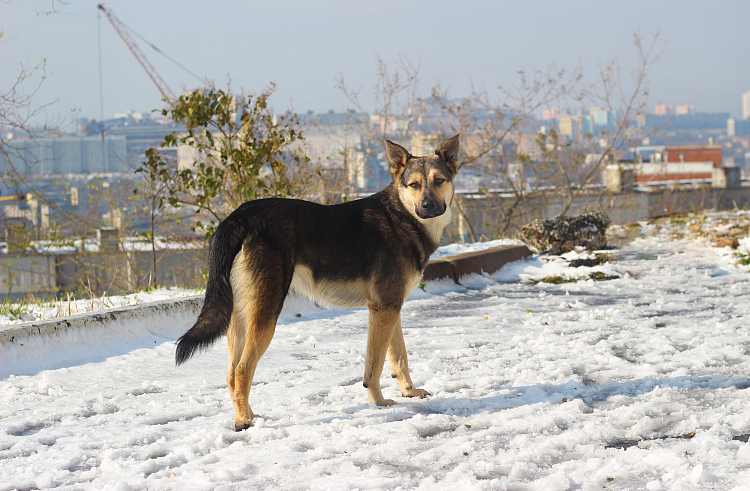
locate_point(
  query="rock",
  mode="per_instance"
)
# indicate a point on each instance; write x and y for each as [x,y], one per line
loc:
[562,234]
[727,242]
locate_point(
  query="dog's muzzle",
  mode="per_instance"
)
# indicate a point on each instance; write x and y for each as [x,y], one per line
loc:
[430,208]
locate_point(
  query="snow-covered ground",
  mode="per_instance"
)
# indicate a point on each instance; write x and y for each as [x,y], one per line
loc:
[638,382]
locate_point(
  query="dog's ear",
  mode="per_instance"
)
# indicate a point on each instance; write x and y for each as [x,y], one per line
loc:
[448,151]
[397,157]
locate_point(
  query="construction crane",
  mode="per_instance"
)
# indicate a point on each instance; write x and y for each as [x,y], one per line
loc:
[15,197]
[122,30]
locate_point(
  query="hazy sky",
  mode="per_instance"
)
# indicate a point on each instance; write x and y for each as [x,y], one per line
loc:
[304,45]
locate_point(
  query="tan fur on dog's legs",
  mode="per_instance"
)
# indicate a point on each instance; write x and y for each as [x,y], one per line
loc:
[400,365]
[241,378]
[383,321]
[236,343]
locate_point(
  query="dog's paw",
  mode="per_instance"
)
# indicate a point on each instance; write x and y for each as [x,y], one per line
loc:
[386,402]
[244,423]
[243,426]
[421,393]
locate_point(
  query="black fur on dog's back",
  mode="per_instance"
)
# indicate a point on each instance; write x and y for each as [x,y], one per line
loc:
[216,313]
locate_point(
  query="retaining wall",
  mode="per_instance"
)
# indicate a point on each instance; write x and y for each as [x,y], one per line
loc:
[9,334]
[453,267]
[484,213]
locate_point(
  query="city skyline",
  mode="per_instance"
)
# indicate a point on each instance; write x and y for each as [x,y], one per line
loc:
[303,46]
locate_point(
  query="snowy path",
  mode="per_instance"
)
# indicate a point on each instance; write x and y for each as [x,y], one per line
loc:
[634,383]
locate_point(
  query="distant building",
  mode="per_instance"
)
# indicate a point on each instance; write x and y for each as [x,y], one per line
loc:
[187,157]
[586,124]
[746,105]
[735,148]
[568,126]
[140,133]
[694,153]
[663,109]
[684,109]
[579,124]
[330,118]
[132,115]
[666,165]
[424,144]
[338,148]
[113,262]
[551,113]
[674,171]
[738,127]
[688,121]
[602,116]
[67,155]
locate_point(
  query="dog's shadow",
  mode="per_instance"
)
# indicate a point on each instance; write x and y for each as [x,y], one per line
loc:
[586,397]
[512,397]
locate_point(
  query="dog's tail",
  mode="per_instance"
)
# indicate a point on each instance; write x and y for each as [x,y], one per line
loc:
[213,320]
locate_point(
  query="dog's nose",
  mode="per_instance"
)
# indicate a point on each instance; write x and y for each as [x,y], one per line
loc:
[429,204]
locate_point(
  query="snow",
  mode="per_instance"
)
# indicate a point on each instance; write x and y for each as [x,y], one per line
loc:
[54,309]
[92,245]
[458,248]
[638,382]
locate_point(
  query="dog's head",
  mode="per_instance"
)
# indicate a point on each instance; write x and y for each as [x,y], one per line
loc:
[425,184]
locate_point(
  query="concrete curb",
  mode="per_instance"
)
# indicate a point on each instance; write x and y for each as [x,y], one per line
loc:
[477,262]
[453,267]
[10,334]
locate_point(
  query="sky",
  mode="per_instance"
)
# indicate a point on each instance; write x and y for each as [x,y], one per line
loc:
[303,46]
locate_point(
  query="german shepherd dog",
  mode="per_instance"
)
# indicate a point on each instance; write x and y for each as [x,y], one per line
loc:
[370,251]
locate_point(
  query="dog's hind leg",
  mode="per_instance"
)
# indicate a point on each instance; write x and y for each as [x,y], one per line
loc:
[259,336]
[400,365]
[383,321]
[259,286]
[236,343]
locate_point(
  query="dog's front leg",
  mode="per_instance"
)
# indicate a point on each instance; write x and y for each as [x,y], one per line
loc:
[400,365]
[383,320]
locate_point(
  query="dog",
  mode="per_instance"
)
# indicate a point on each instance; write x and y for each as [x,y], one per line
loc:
[366,252]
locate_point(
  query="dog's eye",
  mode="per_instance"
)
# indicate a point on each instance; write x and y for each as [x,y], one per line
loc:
[414,185]
[439,181]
